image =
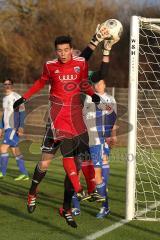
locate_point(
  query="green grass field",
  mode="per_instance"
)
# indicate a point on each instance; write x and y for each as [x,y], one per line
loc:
[46,224]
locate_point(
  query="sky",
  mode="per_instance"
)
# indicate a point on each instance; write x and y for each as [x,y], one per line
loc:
[138,2]
[121,3]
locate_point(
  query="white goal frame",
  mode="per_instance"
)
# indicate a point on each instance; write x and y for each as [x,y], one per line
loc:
[132,109]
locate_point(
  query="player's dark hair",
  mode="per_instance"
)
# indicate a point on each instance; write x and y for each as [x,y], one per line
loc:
[63,40]
[11,81]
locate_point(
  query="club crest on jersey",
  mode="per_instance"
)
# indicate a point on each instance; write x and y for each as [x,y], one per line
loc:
[77,69]
[56,71]
[68,77]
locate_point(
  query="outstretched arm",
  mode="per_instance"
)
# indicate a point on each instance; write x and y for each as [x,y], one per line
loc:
[87,52]
[39,84]
[104,68]
[100,34]
[86,87]
[107,46]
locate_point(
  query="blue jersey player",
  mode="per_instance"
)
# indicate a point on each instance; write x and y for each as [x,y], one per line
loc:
[12,125]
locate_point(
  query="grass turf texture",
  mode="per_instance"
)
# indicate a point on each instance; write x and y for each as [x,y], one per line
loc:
[45,223]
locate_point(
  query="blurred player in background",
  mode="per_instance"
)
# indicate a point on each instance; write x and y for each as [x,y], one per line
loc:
[12,124]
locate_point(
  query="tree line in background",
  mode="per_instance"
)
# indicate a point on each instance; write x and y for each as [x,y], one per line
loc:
[28,29]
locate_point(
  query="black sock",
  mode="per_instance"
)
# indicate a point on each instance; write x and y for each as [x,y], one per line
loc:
[68,193]
[37,178]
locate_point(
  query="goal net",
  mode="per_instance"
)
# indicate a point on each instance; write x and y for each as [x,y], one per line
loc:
[143,170]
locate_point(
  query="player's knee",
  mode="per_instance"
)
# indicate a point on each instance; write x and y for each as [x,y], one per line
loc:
[3,148]
[98,179]
[43,165]
[98,176]
[105,159]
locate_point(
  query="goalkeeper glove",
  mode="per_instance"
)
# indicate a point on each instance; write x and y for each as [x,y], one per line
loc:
[96,99]
[108,45]
[19,102]
[100,34]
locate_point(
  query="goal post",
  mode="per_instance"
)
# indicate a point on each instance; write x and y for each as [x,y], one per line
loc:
[143,162]
[132,116]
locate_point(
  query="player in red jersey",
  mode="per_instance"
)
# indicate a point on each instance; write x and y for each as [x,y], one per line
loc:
[69,86]
[68,77]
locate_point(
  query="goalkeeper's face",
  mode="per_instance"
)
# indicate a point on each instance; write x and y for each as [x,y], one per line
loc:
[100,87]
[64,52]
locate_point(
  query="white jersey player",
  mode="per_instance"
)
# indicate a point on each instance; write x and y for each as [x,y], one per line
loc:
[12,123]
[8,118]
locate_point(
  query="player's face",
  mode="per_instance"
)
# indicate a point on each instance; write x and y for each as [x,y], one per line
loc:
[8,86]
[64,52]
[100,87]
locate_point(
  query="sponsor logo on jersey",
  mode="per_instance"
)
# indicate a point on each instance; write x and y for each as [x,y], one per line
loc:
[68,77]
[57,71]
[77,69]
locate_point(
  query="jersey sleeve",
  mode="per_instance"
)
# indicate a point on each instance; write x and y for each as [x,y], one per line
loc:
[85,86]
[104,68]
[21,107]
[39,84]
[21,119]
[87,103]
[109,122]
[110,119]
[87,53]
[2,122]
[114,104]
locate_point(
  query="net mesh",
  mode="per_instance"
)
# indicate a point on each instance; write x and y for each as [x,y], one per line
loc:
[148,124]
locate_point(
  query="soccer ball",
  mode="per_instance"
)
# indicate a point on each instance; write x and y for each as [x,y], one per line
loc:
[115,28]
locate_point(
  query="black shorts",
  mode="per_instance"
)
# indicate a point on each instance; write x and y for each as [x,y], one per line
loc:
[48,144]
[76,147]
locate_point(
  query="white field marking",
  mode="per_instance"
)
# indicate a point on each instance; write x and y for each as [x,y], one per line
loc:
[118,224]
[106,230]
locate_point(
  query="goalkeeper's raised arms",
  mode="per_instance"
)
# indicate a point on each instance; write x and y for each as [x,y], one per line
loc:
[109,31]
[115,30]
[100,34]
[108,46]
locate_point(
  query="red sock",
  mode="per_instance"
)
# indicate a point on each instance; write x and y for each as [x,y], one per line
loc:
[89,173]
[71,170]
